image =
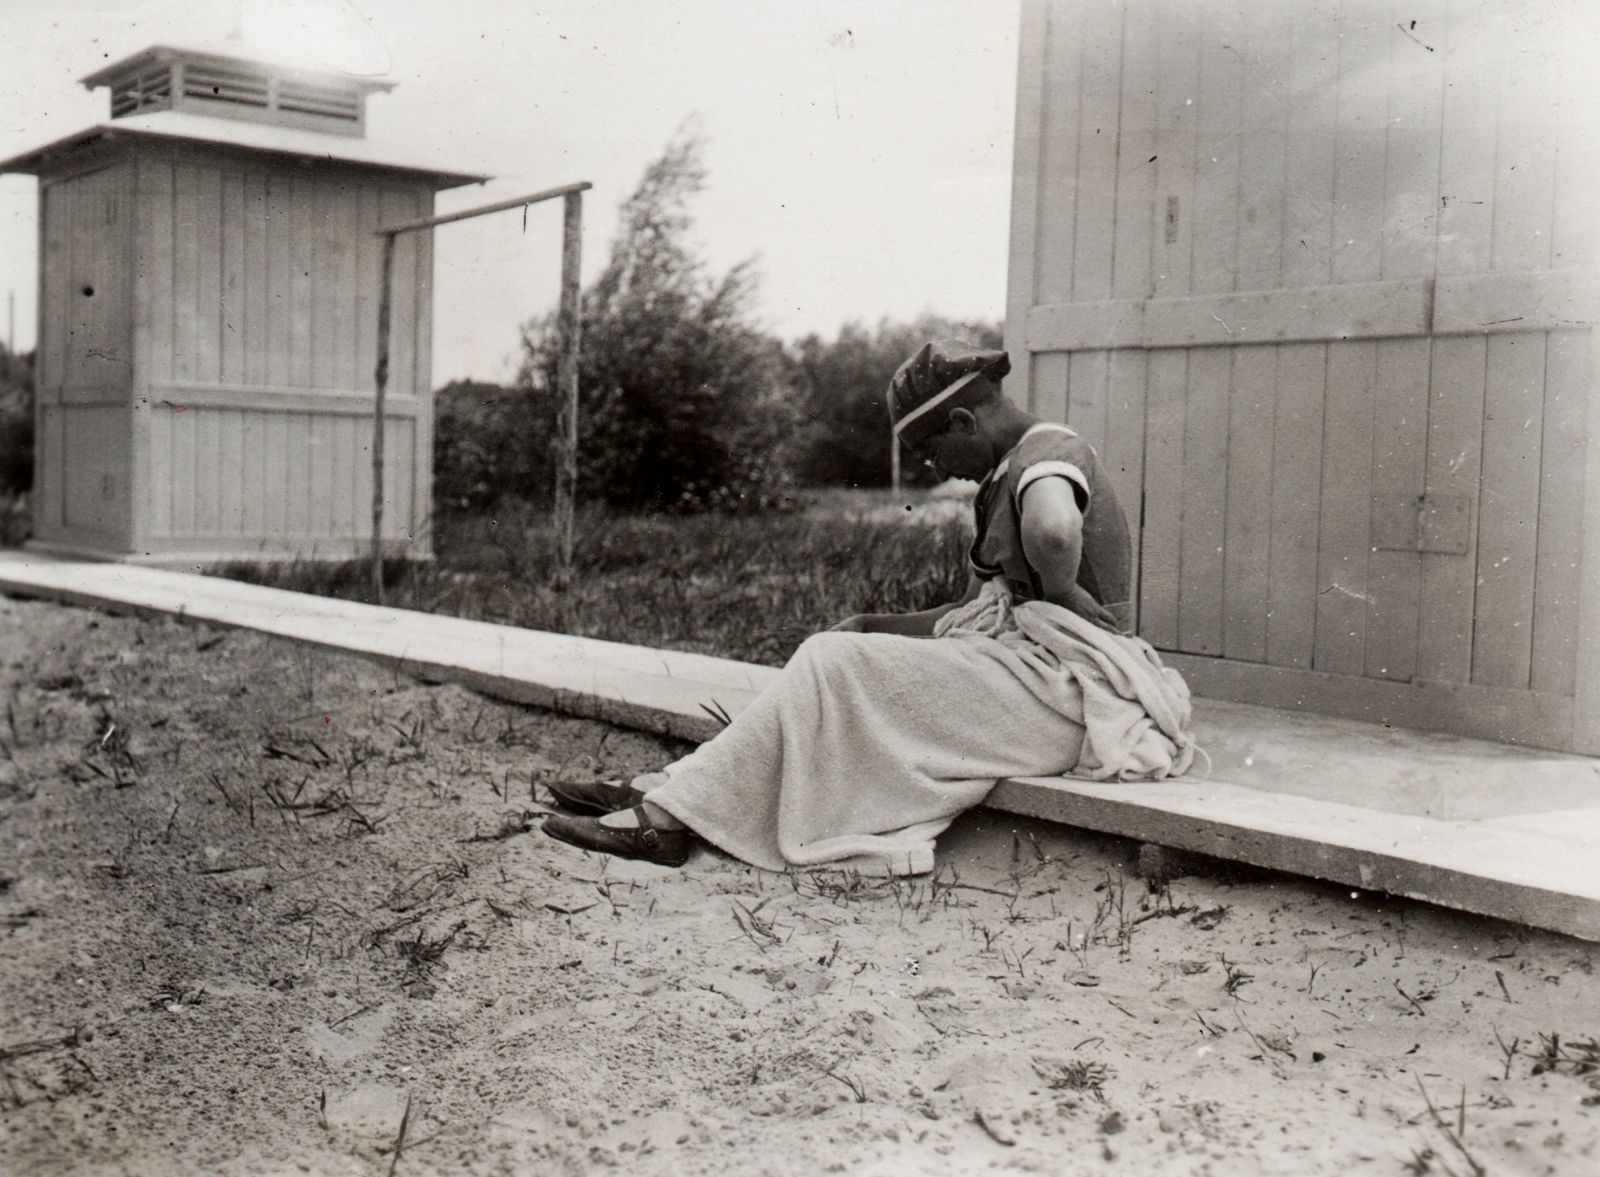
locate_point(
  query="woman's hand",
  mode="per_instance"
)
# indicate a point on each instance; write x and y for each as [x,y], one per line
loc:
[1085,606]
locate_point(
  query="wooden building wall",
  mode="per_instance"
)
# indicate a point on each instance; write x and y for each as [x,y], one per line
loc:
[246,314]
[1317,278]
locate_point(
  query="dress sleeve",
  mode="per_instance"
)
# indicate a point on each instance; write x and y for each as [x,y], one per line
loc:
[1055,468]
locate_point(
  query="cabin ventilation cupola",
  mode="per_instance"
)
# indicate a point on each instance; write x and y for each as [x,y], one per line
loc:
[223,85]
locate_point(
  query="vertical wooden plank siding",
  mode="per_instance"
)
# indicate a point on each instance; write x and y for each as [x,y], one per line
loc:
[1095,205]
[280,264]
[275,462]
[1455,454]
[1088,376]
[350,473]
[1312,97]
[1513,425]
[1182,31]
[1058,153]
[1346,508]
[55,221]
[1135,213]
[208,274]
[186,517]
[1467,141]
[1247,537]
[1470,103]
[321,228]
[1047,395]
[402,205]
[344,277]
[1296,518]
[300,461]
[1035,34]
[1177,87]
[1097,169]
[1409,208]
[1204,504]
[368,273]
[1415,113]
[1361,140]
[1399,476]
[1563,454]
[232,334]
[1268,31]
[1159,550]
[1123,453]
[255,313]
[229,489]
[1215,217]
[303,247]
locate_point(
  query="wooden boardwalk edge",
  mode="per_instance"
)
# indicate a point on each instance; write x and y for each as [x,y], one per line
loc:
[1490,867]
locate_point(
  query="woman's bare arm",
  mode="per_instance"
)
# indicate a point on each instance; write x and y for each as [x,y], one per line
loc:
[1052,540]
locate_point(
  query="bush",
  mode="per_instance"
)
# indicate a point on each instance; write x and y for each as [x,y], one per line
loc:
[491,443]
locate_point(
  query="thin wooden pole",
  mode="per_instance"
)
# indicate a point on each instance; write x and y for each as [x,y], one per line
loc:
[570,325]
[894,461]
[381,378]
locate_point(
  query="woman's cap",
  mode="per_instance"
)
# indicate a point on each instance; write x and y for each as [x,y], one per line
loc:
[936,373]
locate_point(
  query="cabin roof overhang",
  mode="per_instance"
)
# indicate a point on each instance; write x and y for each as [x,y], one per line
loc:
[173,126]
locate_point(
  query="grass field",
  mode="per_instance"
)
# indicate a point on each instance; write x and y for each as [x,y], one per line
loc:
[747,587]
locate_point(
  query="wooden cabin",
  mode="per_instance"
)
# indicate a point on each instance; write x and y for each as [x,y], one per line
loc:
[208,296]
[1317,277]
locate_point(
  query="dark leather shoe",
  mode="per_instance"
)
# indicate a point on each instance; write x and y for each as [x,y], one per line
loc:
[595,798]
[666,847]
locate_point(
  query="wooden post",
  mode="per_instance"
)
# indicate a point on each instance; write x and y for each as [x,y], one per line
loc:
[570,326]
[381,379]
[567,376]
[894,461]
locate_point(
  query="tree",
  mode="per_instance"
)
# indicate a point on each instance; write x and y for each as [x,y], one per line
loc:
[683,400]
[843,385]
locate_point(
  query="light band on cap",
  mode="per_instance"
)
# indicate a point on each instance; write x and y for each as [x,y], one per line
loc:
[934,402]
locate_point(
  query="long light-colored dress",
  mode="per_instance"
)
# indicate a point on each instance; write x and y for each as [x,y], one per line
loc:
[867,746]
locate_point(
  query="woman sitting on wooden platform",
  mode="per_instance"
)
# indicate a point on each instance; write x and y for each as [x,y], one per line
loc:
[881,731]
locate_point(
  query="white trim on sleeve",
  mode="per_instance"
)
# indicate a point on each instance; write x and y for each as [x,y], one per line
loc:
[1054,469]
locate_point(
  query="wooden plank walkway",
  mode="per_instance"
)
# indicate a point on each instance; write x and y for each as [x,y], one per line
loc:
[1488,828]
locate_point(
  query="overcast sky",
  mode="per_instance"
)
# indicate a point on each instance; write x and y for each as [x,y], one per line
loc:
[860,148]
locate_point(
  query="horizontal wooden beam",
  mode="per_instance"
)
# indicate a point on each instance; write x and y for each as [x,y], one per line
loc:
[498,206]
[1543,300]
[182,395]
[1550,300]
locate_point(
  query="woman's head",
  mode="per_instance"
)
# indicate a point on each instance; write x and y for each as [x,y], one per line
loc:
[944,374]
[941,390]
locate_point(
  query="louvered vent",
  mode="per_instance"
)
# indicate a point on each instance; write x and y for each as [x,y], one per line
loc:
[145,92]
[319,100]
[224,85]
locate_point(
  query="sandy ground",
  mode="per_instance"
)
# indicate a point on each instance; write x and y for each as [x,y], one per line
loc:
[257,902]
